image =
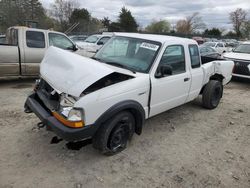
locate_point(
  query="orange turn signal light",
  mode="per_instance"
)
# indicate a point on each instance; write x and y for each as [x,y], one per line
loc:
[72,124]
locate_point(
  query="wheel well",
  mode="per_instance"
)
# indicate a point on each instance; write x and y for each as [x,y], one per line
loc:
[131,106]
[139,120]
[217,77]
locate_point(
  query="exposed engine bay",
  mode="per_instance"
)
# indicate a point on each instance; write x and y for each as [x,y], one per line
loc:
[106,81]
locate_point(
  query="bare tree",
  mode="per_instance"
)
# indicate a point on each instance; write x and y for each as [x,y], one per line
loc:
[61,10]
[190,24]
[238,17]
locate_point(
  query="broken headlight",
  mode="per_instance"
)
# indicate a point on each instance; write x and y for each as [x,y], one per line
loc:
[75,115]
[71,117]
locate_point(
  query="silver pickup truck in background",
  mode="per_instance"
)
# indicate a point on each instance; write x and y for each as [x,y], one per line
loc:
[24,49]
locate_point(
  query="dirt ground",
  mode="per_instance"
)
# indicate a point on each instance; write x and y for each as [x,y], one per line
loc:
[185,147]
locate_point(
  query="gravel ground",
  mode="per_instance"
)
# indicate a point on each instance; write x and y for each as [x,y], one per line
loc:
[185,147]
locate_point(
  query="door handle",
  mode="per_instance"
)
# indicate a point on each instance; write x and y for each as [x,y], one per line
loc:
[186,79]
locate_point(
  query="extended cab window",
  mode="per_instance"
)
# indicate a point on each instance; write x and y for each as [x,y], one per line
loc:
[60,41]
[35,39]
[194,56]
[174,57]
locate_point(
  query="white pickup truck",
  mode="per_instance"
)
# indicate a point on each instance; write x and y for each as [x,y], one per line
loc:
[132,78]
[24,49]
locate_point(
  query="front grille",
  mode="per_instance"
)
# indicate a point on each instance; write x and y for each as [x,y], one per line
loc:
[47,90]
[241,67]
[47,95]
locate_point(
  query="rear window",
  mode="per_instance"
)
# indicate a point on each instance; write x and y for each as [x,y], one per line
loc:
[35,39]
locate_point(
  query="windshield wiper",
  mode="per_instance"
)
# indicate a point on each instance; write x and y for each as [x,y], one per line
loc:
[97,59]
[120,65]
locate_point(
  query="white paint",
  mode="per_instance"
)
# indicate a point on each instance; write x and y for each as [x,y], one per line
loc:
[71,74]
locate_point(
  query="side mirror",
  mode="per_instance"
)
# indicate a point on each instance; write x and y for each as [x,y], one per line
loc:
[74,48]
[100,43]
[164,70]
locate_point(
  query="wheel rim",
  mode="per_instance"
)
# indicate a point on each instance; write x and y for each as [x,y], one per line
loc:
[216,96]
[119,136]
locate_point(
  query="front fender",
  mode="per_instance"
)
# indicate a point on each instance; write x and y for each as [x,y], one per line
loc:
[129,105]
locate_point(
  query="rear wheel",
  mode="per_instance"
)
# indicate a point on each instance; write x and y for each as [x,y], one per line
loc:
[212,94]
[112,137]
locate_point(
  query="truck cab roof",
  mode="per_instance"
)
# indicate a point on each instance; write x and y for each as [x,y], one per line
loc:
[159,38]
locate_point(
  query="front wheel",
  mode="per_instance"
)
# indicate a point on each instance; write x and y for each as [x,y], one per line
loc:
[112,137]
[212,94]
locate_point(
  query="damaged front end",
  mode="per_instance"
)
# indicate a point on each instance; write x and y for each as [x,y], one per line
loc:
[61,106]
[65,79]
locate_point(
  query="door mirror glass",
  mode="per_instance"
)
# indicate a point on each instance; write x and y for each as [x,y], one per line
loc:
[75,48]
[100,43]
[163,71]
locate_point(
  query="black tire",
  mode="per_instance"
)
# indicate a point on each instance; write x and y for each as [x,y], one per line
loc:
[212,94]
[112,137]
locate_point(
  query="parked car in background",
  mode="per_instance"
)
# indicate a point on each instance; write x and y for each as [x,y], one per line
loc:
[241,57]
[220,47]
[78,38]
[2,39]
[94,42]
[25,47]
[209,52]
[132,78]
[199,40]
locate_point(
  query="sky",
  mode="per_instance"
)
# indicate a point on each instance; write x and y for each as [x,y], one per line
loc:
[215,13]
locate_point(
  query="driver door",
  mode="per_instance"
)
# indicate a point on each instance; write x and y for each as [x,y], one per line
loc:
[171,90]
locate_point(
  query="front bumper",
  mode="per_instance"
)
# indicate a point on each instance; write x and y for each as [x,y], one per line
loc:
[34,104]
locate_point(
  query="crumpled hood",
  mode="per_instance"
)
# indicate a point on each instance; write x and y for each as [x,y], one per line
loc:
[71,73]
[233,55]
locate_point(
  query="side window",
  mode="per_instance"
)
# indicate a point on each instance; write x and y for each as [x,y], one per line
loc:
[174,58]
[35,39]
[220,45]
[60,41]
[103,40]
[194,56]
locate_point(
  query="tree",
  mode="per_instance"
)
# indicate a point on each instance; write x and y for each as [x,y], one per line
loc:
[82,17]
[246,29]
[212,32]
[114,26]
[238,17]
[33,9]
[162,26]
[62,10]
[106,22]
[15,12]
[231,34]
[126,21]
[190,24]
[79,14]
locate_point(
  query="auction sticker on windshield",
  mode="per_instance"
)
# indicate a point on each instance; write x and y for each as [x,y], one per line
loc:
[149,46]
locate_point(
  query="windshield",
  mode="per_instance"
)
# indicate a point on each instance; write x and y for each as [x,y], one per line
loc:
[209,44]
[130,53]
[92,39]
[243,48]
